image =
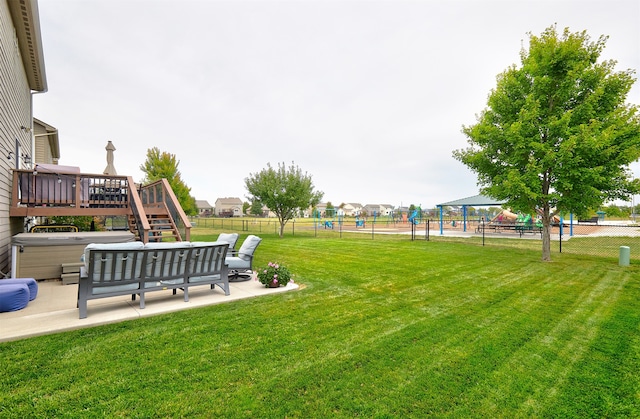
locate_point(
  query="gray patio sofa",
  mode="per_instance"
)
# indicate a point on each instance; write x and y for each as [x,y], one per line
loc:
[135,268]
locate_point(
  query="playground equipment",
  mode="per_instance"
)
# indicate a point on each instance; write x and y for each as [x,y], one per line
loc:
[416,216]
[359,222]
[391,218]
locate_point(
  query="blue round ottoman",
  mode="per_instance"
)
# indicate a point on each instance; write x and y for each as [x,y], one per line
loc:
[13,297]
[30,282]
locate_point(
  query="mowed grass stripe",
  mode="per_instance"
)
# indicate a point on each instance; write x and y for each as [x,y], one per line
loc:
[380,328]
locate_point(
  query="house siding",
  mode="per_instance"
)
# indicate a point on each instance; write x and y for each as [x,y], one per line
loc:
[43,152]
[15,112]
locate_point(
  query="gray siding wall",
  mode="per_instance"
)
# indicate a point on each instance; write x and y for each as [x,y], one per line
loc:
[15,111]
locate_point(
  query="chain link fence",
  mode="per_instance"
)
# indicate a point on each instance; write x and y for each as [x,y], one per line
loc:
[602,239]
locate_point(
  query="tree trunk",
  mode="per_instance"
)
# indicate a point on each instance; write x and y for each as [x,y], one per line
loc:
[282,223]
[546,234]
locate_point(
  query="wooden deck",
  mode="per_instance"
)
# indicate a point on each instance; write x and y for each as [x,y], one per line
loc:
[47,193]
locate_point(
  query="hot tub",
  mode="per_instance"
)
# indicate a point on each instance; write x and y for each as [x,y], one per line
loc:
[41,255]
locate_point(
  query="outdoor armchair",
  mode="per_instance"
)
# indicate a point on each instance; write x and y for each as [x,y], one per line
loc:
[240,265]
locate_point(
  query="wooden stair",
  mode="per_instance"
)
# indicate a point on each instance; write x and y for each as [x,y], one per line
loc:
[162,228]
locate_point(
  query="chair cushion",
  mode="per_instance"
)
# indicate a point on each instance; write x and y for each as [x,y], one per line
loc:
[29,282]
[249,246]
[231,238]
[235,262]
[13,297]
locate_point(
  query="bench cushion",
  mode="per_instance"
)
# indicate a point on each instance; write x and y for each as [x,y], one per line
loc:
[196,279]
[114,289]
[167,261]
[200,262]
[109,246]
[167,245]
[128,260]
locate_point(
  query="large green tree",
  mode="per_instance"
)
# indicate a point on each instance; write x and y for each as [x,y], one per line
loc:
[284,190]
[557,135]
[161,165]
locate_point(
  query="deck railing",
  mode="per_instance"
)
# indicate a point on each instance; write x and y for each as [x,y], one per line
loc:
[38,193]
[33,189]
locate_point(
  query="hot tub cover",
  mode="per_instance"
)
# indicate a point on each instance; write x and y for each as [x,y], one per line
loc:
[71,238]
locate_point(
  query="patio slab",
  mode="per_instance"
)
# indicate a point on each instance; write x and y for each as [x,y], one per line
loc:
[54,310]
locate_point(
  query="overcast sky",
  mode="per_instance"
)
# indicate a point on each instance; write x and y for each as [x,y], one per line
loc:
[368,97]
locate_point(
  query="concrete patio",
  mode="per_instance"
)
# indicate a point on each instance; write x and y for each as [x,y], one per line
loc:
[54,310]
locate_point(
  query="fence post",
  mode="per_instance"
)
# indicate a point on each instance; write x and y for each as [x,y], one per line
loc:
[426,232]
[560,235]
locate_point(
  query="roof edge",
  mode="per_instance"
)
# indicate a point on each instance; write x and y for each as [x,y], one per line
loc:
[26,21]
[474,201]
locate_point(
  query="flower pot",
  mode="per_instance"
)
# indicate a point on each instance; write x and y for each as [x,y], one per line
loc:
[273,285]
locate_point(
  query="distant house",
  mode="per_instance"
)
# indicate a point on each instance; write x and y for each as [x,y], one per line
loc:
[352,209]
[321,207]
[379,210]
[228,207]
[205,209]
[386,209]
[266,212]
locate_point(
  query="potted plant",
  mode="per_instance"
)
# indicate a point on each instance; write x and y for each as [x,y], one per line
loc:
[274,275]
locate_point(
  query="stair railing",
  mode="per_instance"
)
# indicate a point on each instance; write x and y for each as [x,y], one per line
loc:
[142,224]
[160,194]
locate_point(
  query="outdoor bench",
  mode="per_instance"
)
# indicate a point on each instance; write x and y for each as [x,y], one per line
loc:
[516,227]
[529,228]
[592,220]
[135,268]
[498,227]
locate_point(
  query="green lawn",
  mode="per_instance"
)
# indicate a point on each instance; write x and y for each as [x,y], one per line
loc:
[380,328]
